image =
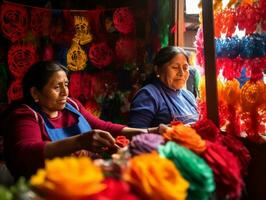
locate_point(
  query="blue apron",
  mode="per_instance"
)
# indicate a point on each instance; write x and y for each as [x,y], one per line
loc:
[186,118]
[60,133]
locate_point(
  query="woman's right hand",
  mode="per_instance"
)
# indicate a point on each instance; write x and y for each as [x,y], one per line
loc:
[96,139]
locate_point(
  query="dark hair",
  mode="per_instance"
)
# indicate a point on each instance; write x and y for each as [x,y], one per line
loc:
[166,54]
[38,76]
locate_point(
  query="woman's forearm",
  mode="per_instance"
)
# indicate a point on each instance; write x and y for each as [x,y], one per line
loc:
[62,147]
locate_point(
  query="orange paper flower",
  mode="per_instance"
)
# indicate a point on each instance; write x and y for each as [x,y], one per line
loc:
[252,95]
[68,178]
[185,136]
[232,92]
[156,178]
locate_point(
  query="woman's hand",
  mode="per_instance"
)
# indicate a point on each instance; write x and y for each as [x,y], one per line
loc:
[96,139]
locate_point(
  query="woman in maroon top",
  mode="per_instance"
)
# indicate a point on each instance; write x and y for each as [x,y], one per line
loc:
[49,124]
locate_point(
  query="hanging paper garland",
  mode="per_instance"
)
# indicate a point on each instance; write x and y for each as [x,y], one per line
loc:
[126,49]
[40,21]
[83,35]
[15,91]
[124,20]
[76,58]
[100,55]
[247,17]
[20,58]
[14,21]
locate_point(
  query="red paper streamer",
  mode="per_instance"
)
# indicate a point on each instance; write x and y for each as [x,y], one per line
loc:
[40,21]
[100,55]
[124,20]
[20,58]
[15,91]
[14,21]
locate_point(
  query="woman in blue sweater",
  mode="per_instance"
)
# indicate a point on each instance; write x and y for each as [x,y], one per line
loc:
[165,99]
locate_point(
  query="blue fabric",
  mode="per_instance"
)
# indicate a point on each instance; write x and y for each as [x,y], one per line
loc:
[60,133]
[155,103]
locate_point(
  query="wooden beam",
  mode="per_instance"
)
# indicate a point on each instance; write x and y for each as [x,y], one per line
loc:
[210,65]
[180,22]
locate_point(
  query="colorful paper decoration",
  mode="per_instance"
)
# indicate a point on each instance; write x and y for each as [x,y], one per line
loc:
[15,91]
[76,57]
[20,58]
[100,55]
[40,21]
[83,35]
[124,20]
[14,21]
[252,94]
[126,49]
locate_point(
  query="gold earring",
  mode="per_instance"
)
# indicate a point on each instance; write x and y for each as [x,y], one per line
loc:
[157,75]
[36,100]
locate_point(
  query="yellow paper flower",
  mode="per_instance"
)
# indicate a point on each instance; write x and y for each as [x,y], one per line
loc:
[156,178]
[69,177]
[185,136]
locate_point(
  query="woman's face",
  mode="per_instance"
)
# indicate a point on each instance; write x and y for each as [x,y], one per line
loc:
[53,96]
[174,74]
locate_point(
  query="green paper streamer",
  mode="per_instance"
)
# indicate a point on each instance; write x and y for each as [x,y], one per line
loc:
[164,21]
[193,168]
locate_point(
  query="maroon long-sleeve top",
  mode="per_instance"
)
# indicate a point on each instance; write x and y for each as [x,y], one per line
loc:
[25,136]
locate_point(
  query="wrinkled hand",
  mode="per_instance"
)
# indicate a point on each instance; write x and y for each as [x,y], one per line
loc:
[96,139]
[162,128]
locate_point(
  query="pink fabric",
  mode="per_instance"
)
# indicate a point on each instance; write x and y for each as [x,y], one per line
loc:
[25,137]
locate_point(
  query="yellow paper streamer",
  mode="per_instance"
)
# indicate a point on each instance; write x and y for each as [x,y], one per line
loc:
[76,57]
[82,27]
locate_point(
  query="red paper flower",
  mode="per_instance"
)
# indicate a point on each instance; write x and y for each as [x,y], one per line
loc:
[14,21]
[40,21]
[121,141]
[126,49]
[116,189]
[20,58]
[124,20]
[100,55]
[15,91]
[206,129]
[226,170]
[236,147]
